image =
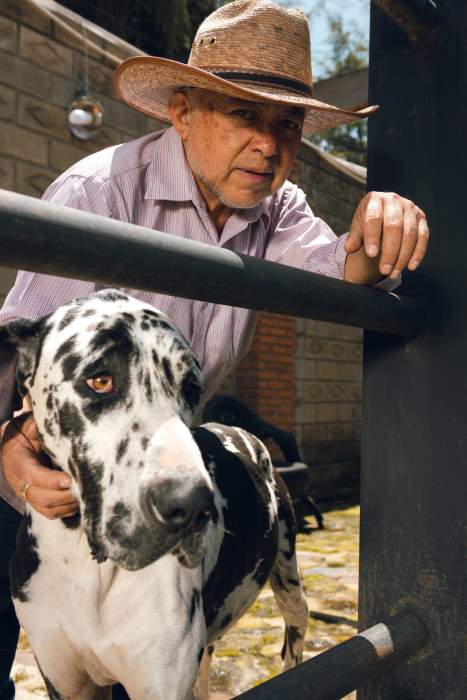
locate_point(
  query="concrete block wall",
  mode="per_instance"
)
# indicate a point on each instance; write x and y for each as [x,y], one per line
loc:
[328,391]
[41,71]
[328,358]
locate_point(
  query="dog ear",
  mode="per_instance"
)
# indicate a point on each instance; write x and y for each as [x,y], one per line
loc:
[20,340]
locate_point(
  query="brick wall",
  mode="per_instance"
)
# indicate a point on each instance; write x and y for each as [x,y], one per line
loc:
[333,187]
[265,378]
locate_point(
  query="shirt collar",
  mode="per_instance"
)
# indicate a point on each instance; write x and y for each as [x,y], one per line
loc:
[170,178]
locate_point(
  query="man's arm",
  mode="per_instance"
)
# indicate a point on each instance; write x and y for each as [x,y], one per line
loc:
[386,230]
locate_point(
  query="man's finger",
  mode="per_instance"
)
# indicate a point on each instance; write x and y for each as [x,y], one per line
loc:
[409,240]
[45,478]
[41,499]
[372,224]
[354,240]
[422,243]
[59,512]
[393,226]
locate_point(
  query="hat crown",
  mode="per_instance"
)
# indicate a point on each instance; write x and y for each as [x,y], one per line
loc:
[247,49]
[255,37]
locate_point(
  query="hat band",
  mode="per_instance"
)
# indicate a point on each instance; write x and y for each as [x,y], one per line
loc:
[271,80]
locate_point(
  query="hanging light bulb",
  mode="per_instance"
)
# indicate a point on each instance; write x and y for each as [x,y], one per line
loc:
[85,114]
[80,117]
[85,117]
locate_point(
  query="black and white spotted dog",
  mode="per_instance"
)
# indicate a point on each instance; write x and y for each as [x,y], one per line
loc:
[178,530]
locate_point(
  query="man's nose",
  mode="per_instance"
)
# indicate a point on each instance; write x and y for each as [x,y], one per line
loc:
[178,505]
[265,141]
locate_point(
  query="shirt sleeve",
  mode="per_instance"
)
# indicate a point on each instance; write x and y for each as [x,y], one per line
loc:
[303,240]
[36,295]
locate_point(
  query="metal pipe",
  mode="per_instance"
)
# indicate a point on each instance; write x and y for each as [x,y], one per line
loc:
[43,237]
[336,672]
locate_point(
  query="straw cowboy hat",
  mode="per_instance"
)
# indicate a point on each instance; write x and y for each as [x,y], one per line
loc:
[251,49]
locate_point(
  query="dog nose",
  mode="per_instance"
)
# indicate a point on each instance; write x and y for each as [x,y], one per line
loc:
[181,509]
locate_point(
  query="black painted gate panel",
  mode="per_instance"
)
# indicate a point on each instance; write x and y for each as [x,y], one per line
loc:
[415,392]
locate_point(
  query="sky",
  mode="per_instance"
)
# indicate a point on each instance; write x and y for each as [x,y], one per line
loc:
[352,11]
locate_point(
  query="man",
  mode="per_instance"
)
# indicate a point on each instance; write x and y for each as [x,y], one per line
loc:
[238,110]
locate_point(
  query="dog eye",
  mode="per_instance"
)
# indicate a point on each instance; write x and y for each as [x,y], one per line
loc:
[101,385]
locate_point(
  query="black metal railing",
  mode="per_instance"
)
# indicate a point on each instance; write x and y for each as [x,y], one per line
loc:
[43,237]
[336,672]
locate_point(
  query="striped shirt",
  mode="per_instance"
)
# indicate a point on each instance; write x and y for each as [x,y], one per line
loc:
[148,182]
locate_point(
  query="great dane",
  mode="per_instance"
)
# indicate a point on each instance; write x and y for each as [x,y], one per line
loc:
[177,530]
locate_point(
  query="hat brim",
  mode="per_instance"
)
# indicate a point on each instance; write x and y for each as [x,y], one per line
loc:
[148,82]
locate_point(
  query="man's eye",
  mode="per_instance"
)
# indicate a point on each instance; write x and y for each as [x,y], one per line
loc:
[101,385]
[289,125]
[248,114]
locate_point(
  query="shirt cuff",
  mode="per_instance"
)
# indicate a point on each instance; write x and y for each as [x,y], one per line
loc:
[388,284]
[341,254]
[7,493]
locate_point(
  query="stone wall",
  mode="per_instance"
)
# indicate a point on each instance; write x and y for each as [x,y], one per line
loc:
[41,71]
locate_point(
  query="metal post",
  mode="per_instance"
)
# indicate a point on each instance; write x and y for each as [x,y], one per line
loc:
[415,392]
[418,18]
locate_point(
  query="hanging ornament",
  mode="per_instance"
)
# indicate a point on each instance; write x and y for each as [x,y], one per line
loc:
[85,114]
[85,117]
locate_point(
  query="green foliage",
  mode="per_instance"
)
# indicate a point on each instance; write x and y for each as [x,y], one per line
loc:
[348,141]
[159,27]
[348,50]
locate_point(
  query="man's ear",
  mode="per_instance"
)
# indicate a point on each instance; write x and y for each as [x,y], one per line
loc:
[180,110]
[21,340]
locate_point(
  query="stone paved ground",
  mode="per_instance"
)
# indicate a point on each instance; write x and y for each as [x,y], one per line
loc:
[250,652]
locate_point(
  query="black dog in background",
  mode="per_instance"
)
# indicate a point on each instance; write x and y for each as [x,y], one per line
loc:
[228,410]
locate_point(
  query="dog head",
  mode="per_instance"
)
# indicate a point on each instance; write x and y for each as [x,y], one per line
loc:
[113,386]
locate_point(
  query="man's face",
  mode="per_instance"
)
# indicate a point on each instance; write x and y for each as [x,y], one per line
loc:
[239,151]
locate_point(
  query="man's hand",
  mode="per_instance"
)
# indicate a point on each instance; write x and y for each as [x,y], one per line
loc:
[23,463]
[388,234]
